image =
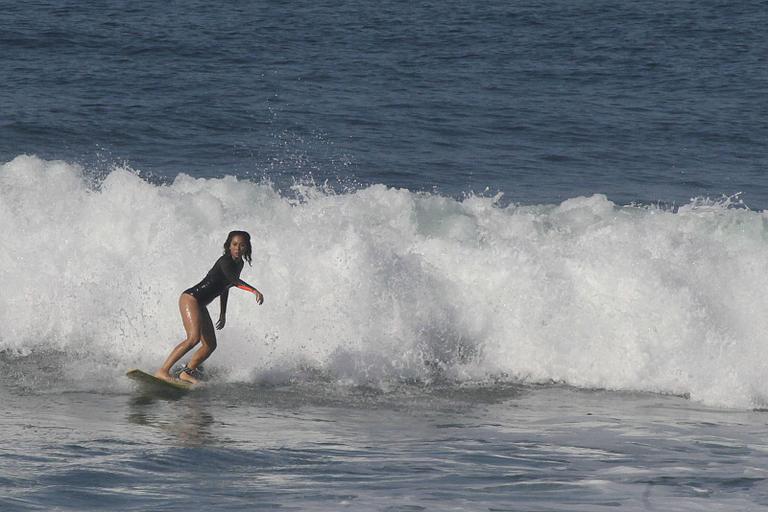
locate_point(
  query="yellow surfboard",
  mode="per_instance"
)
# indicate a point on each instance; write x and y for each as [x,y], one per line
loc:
[152,383]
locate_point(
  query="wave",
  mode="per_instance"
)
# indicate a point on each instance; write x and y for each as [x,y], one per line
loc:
[377,285]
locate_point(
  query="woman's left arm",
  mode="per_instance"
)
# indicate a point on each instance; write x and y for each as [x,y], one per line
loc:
[233,276]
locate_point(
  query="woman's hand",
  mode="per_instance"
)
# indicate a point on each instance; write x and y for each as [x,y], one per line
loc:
[221,322]
[259,297]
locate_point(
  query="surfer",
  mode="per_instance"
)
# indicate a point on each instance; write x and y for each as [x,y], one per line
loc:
[194,313]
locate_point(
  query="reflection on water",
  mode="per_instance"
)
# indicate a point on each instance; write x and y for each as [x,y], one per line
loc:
[185,418]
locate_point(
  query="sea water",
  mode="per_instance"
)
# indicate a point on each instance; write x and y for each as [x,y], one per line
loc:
[513,255]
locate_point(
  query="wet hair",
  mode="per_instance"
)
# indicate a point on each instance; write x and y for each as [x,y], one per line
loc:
[244,234]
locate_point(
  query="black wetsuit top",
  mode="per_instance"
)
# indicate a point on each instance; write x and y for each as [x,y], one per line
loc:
[224,275]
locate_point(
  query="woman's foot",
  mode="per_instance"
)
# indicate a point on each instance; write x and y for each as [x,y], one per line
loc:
[191,375]
[188,378]
[164,375]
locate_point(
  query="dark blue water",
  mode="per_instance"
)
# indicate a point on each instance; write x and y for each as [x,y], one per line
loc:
[414,352]
[643,101]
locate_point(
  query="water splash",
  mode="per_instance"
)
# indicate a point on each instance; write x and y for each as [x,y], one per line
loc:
[377,285]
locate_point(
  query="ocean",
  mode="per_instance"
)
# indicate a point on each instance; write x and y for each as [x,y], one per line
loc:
[513,254]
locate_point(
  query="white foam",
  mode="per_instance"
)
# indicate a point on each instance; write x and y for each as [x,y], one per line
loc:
[379,285]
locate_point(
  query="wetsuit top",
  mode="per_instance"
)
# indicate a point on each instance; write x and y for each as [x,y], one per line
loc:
[224,275]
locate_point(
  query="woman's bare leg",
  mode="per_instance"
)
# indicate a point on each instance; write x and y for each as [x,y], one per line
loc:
[208,337]
[191,316]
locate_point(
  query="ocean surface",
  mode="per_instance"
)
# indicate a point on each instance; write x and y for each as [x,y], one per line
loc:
[514,254]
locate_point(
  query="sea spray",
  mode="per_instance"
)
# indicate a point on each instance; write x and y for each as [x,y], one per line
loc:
[377,285]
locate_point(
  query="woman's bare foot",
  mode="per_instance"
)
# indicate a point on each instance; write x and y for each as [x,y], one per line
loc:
[163,375]
[188,378]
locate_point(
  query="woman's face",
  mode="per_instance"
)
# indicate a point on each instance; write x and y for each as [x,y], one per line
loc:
[237,246]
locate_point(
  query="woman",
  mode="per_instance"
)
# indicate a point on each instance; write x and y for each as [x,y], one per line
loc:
[192,304]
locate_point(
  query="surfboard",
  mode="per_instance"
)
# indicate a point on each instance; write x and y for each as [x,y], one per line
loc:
[152,383]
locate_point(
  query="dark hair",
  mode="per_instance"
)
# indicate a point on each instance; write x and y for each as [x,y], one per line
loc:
[244,234]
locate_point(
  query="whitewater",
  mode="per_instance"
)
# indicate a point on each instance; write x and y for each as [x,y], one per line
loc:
[380,286]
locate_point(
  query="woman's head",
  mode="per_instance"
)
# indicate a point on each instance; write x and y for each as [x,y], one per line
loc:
[238,245]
